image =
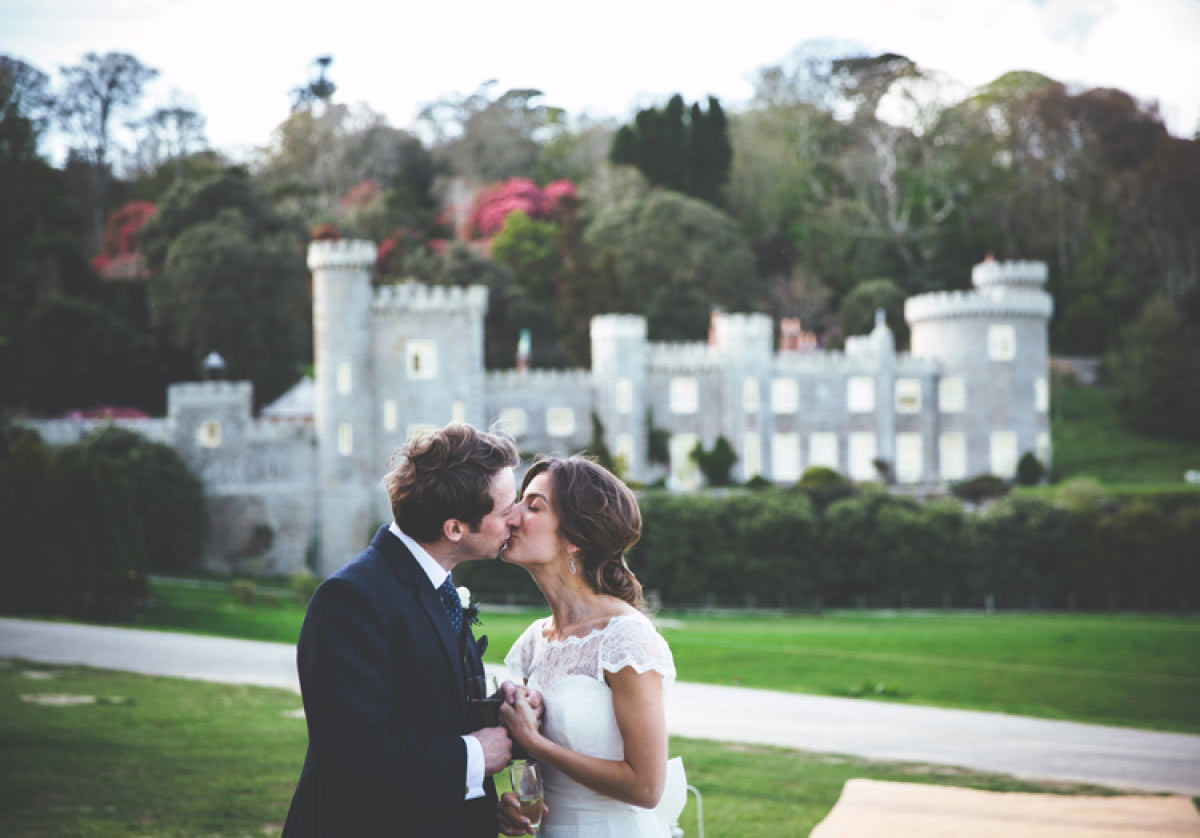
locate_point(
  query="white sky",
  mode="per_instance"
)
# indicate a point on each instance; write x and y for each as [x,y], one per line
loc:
[235,60]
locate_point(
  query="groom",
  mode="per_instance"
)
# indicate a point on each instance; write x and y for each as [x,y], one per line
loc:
[383,657]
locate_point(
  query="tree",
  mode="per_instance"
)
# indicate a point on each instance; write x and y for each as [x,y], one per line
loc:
[484,139]
[72,353]
[320,89]
[169,135]
[684,150]
[663,253]
[1156,372]
[222,288]
[857,313]
[97,90]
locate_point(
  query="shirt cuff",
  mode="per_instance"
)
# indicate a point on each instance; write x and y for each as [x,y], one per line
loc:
[474,768]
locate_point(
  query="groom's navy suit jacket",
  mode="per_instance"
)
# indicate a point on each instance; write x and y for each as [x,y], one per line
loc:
[383,681]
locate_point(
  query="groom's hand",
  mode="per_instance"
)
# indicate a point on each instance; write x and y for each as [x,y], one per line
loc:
[497,748]
[509,818]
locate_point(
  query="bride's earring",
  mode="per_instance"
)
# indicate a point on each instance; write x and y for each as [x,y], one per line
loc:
[571,562]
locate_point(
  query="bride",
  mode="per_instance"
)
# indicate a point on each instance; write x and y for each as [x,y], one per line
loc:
[598,663]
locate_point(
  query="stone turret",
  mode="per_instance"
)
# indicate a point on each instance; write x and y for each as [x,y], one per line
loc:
[743,343]
[619,360]
[346,469]
[992,348]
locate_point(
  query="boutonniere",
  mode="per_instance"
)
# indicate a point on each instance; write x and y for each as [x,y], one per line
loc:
[470,607]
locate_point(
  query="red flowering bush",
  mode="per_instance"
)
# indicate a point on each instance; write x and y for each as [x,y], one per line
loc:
[359,196]
[122,227]
[494,204]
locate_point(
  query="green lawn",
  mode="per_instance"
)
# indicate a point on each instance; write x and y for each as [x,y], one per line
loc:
[1136,670]
[1089,441]
[168,758]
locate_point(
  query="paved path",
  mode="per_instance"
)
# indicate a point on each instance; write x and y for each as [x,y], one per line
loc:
[1032,748]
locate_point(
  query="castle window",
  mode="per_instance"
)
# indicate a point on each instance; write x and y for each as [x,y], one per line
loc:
[785,395]
[458,412]
[1043,448]
[1004,453]
[910,462]
[751,455]
[624,452]
[560,421]
[823,450]
[952,453]
[208,435]
[624,395]
[1041,395]
[684,395]
[750,395]
[785,458]
[345,377]
[908,395]
[861,457]
[421,358]
[952,395]
[685,474]
[860,394]
[514,421]
[417,429]
[1002,342]
[345,439]
[389,415]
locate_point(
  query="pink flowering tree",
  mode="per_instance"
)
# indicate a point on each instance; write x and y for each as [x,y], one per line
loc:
[119,254]
[494,204]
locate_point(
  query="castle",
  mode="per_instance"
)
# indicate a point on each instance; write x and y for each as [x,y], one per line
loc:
[971,397]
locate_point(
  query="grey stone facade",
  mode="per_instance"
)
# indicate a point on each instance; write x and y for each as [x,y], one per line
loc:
[970,398]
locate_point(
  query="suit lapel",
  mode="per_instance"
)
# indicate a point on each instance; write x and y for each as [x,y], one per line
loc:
[405,566]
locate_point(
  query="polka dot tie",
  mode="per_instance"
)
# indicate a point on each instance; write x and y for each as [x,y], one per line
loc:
[453,605]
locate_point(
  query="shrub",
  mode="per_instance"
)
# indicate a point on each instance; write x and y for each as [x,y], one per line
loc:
[716,463]
[980,488]
[1030,469]
[168,497]
[824,485]
[244,591]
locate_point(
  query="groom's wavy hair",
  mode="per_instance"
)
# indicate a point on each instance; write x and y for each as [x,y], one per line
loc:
[599,515]
[444,474]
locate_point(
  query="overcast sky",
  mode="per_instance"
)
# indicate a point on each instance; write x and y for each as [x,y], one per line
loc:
[235,60]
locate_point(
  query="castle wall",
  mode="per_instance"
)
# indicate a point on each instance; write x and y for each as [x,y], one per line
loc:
[545,411]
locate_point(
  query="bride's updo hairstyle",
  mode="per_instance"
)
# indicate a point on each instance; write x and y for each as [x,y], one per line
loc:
[599,515]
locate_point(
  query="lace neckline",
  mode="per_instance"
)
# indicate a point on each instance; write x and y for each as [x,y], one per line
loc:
[572,639]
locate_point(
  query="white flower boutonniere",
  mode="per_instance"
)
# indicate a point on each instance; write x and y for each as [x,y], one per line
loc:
[470,607]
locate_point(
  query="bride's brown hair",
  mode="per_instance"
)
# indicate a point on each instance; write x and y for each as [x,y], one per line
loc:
[599,515]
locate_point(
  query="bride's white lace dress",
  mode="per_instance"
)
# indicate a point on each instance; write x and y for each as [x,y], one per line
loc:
[579,715]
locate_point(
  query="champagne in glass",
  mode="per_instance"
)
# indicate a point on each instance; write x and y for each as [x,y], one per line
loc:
[526,780]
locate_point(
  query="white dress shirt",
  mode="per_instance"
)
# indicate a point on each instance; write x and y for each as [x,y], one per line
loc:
[437,575]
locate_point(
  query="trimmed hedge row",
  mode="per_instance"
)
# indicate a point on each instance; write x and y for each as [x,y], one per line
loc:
[84,524]
[781,548]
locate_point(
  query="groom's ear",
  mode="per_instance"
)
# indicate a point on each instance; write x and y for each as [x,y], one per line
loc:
[453,529]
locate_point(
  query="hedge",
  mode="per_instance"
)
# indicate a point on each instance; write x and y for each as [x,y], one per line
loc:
[778,548]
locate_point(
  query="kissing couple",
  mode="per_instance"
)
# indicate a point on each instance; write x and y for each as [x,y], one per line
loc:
[385,655]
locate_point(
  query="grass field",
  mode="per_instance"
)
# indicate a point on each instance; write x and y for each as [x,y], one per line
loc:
[1135,670]
[1089,441]
[171,758]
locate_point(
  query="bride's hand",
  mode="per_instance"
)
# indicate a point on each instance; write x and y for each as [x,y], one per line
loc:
[509,691]
[521,720]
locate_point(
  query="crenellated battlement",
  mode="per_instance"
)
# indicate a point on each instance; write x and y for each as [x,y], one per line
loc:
[539,379]
[823,363]
[416,296]
[193,393]
[995,301]
[342,253]
[1021,273]
[673,356]
[618,327]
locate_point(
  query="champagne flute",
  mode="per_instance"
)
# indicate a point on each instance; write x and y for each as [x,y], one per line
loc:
[526,780]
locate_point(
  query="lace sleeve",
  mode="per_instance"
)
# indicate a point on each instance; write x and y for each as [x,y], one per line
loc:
[520,657]
[633,641]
